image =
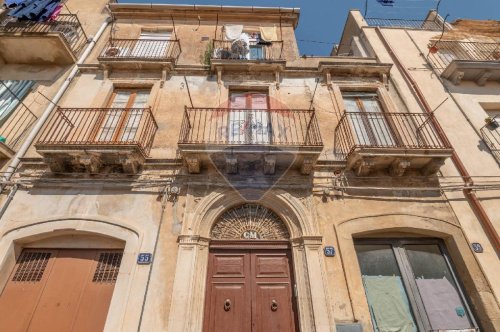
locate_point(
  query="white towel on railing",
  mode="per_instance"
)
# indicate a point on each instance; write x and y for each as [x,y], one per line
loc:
[233,31]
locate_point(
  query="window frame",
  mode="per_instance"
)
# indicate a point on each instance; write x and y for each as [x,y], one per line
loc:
[123,118]
[368,123]
[408,278]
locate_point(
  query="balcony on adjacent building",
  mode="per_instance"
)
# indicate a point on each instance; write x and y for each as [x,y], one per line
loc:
[397,142]
[140,53]
[55,42]
[238,54]
[239,141]
[490,133]
[470,61]
[97,139]
[14,130]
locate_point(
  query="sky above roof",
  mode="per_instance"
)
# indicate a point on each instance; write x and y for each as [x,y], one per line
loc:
[321,21]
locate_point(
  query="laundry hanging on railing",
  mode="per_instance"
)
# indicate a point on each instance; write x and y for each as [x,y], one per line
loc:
[386,2]
[34,10]
[233,31]
[268,34]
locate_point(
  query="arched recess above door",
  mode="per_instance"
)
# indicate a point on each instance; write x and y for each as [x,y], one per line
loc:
[249,222]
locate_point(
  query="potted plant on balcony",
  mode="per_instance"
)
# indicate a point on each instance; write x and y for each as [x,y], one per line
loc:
[492,122]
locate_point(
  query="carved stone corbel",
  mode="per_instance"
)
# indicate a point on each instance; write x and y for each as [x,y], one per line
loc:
[364,167]
[307,166]
[193,164]
[269,164]
[92,163]
[399,166]
[432,166]
[231,164]
[277,78]
[457,77]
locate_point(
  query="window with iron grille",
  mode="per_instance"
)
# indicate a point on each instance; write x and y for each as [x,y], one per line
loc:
[107,267]
[31,266]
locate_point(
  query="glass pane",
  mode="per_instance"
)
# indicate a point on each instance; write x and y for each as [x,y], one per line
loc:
[378,123]
[358,121]
[121,99]
[141,99]
[387,298]
[133,122]
[437,288]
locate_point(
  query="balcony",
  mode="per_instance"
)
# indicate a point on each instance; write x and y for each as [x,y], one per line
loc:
[236,55]
[140,53]
[42,43]
[241,141]
[397,142]
[97,139]
[491,136]
[428,24]
[14,129]
[470,61]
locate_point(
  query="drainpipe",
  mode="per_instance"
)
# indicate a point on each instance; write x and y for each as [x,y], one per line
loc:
[471,197]
[41,121]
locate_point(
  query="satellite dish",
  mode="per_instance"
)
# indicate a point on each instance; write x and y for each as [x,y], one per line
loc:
[239,48]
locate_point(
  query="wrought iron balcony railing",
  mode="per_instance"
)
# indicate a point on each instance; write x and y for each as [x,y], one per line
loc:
[141,50]
[239,127]
[100,127]
[443,52]
[236,50]
[67,25]
[17,126]
[405,24]
[409,131]
[491,136]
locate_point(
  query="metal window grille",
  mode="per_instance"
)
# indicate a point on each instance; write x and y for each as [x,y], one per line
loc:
[31,266]
[107,267]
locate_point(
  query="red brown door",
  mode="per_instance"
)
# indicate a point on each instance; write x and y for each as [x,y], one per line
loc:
[249,291]
[59,290]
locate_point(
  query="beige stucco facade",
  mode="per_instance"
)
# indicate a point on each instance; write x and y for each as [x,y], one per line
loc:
[334,204]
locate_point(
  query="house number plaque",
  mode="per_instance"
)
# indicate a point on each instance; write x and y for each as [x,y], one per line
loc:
[144,258]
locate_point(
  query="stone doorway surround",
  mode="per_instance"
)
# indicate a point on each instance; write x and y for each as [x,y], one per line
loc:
[202,211]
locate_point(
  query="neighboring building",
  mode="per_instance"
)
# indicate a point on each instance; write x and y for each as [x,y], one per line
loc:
[275,192]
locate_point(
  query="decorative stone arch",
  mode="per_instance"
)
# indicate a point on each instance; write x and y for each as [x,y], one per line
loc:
[291,210]
[14,239]
[397,224]
[192,261]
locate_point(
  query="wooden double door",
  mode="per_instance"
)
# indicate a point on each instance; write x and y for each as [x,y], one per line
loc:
[59,290]
[250,290]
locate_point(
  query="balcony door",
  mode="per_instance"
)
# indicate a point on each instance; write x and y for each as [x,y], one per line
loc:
[249,118]
[122,119]
[152,45]
[368,121]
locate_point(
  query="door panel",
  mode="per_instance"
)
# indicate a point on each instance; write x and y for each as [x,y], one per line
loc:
[272,299]
[63,291]
[22,292]
[228,292]
[273,308]
[249,290]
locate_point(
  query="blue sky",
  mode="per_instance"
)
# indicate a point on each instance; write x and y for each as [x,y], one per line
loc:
[321,21]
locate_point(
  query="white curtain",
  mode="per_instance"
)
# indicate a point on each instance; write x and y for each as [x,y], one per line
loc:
[11,92]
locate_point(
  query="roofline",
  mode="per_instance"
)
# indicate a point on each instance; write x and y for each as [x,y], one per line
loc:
[151,9]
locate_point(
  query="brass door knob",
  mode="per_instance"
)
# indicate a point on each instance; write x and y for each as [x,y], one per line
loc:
[274,305]
[227,305]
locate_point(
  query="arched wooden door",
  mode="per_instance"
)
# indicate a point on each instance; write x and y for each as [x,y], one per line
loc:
[250,285]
